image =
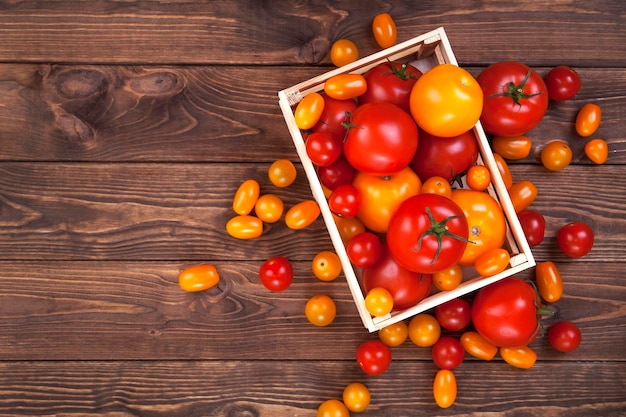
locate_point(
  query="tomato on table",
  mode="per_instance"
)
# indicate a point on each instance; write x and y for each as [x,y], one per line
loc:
[454,315]
[326,265]
[302,214]
[246,196]
[384,29]
[356,397]
[343,51]
[588,119]
[597,150]
[320,310]
[556,155]
[478,346]
[332,408]
[564,336]
[269,208]
[276,273]
[373,357]
[534,225]
[512,147]
[394,334]
[575,239]
[444,388]
[390,82]
[519,356]
[282,173]
[549,281]
[563,83]
[244,227]
[424,330]
[198,277]
[447,352]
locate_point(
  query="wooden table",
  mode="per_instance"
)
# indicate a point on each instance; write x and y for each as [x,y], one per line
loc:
[126,127]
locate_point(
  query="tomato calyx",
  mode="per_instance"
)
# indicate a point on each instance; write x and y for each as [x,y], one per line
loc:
[516,92]
[438,230]
[400,72]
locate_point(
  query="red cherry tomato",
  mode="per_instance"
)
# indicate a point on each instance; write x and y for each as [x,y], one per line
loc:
[390,82]
[337,173]
[364,249]
[454,315]
[276,274]
[323,148]
[345,200]
[335,114]
[564,336]
[575,239]
[563,83]
[374,357]
[534,226]
[447,352]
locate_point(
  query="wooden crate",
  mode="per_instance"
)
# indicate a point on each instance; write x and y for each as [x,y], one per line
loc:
[424,52]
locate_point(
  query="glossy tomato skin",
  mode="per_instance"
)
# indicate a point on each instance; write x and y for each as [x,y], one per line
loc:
[276,273]
[345,201]
[563,83]
[428,233]
[345,86]
[343,51]
[515,98]
[534,226]
[588,119]
[454,315]
[302,214]
[373,357]
[447,352]
[564,336]
[444,157]
[384,30]
[575,239]
[323,148]
[336,112]
[244,227]
[478,346]
[309,110]
[406,287]
[390,82]
[382,140]
[505,313]
[444,388]
[364,249]
[512,147]
[198,277]
[520,356]
[597,150]
[246,196]
[337,173]
[549,281]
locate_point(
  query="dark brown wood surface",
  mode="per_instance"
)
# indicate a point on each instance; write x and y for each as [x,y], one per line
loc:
[126,127]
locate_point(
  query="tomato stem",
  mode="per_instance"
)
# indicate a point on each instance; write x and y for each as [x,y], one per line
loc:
[516,92]
[400,72]
[439,230]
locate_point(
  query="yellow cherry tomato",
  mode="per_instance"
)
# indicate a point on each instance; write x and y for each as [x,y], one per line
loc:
[478,177]
[519,357]
[437,185]
[326,266]
[394,334]
[477,346]
[244,227]
[343,51]
[198,277]
[246,197]
[522,194]
[449,278]
[332,408]
[269,208]
[320,310]
[282,173]
[309,110]
[549,281]
[348,227]
[492,262]
[556,155]
[356,397]
[597,150]
[424,330]
[302,214]
[503,169]
[384,29]
[588,119]
[512,147]
[379,302]
[444,388]
[345,86]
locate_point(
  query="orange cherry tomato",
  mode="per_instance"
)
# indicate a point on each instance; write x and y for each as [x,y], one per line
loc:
[444,388]
[356,397]
[549,281]
[379,302]
[246,197]
[588,119]
[492,262]
[348,227]
[556,155]
[512,147]
[345,86]
[343,51]
[326,266]
[381,196]
[477,346]
[522,194]
[302,214]
[269,208]
[385,31]
[198,277]
[282,173]
[503,169]
[394,334]
[309,110]
[244,227]
[332,408]
[449,278]
[437,185]
[519,357]
[478,177]
[320,310]
[424,330]
[597,150]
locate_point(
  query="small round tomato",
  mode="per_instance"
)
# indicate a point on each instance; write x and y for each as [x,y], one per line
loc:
[394,334]
[437,185]
[454,315]
[575,239]
[556,155]
[356,397]
[326,266]
[478,178]
[374,357]
[337,173]
[335,114]
[323,148]
[503,169]
[564,336]
[447,352]
[269,208]
[512,147]
[282,173]
[384,29]
[549,281]
[534,226]
[345,201]
[424,330]
[390,82]
[588,119]
[520,356]
[378,302]
[276,273]
[246,196]
[320,310]
[345,86]
[522,194]
[343,51]
[478,346]
[444,388]
[244,227]
[364,249]
[448,279]
[309,110]
[332,408]
[492,262]
[597,150]
[348,227]
[198,278]
[563,83]
[446,101]
[302,214]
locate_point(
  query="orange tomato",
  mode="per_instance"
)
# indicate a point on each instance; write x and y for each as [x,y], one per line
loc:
[437,185]
[348,227]
[446,101]
[302,214]
[343,51]
[244,227]
[394,334]
[309,110]
[492,262]
[519,357]
[549,281]
[246,196]
[282,173]
[556,155]
[381,196]
[478,177]
[320,310]
[424,330]
[448,279]
[345,86]
[326,266]
[269,208]
[597,150]
[356,397]
[588,119]
[504,170]
[385,31]
[477,346]
[485,219]
[444,388]
[332,408]
[198,277]
[512,147]
[522,194]
[379,302]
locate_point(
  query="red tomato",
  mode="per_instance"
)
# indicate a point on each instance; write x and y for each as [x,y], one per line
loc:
[337,173]
[390,82]
[575,239]
[406,287]
[374,357]
[276,274]
[364,249]
[447,352]
[562,82]
[382,139]
[564,336]
[323,148]
[335,114]
[198,278]
[515,98]
[428,233]
[444,157]
[384,29]
[534,226]
[505,312]
[454,315]
[345,200]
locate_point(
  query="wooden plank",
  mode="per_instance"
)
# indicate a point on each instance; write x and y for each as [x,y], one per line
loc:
[288,388]
[219,33]
[211,114]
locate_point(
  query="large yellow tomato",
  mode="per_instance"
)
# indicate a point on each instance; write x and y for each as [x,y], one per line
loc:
[381,196]
[485,219]
[446,101]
